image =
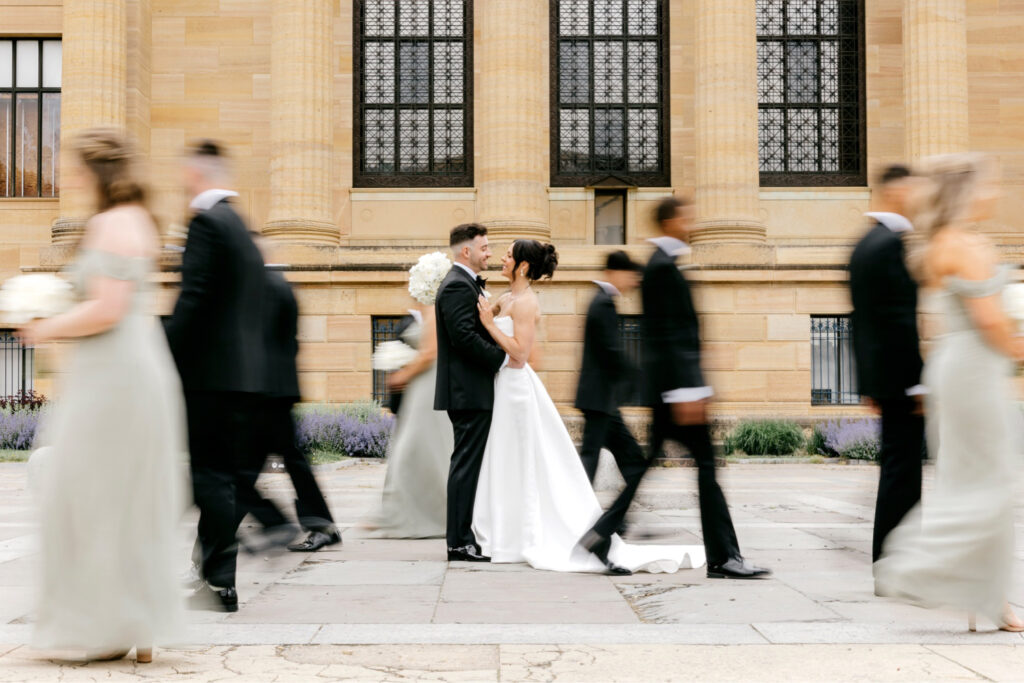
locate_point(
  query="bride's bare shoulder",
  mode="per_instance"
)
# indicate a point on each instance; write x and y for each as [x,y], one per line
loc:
[962,253]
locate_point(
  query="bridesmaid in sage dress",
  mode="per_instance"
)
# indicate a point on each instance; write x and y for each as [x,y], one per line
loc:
[109,487]
[956,549]
[414,501]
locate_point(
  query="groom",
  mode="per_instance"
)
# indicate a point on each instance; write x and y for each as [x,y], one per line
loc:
[467,360]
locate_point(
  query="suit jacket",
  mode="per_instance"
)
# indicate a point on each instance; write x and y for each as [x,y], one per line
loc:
[886,345]
[467,357]
[216,330]
[671,331]
[281,337]
[606,369]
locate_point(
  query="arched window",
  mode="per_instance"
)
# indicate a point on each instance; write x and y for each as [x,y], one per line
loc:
[810,92]
[609,87]
[413,68]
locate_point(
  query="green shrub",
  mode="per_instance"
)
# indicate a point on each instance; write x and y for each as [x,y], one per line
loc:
[765,437]
[816,444]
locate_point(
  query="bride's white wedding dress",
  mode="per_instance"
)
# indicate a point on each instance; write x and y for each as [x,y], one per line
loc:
[534,501]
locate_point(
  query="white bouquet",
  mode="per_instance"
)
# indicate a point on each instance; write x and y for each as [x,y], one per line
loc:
[1013,302]
[37,295]
[393,355]
[426,276]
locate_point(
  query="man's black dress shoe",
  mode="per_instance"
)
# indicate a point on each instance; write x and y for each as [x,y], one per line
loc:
[599,547]
[215,600]
[467,553]
[737,568]
[316,540]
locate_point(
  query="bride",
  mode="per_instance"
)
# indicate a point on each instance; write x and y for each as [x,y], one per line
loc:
[533,500]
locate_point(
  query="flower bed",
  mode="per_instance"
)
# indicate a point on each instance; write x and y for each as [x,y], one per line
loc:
[857,439]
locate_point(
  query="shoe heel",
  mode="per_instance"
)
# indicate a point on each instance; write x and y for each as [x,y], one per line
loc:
[144,655]
[972,622]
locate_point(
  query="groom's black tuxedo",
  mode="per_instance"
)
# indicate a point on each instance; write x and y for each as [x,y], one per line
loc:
[216,337]
[467,360]
[886,347]
[671,349]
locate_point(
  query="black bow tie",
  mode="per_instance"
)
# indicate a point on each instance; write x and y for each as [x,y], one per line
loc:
[481,283]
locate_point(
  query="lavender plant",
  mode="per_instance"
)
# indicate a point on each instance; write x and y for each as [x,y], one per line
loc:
[358,430]
[18,428]
[857,439]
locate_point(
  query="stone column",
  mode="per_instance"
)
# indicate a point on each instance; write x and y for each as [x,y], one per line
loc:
[935,76]
[511,112]
[93,91]
[300,125]
[728,208]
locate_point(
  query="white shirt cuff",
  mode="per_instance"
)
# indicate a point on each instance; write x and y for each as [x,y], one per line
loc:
[917,390]
[687,395]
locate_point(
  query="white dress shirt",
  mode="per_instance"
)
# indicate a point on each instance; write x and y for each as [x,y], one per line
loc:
[893,221]
[674,247]
[898,223]
[204,201]
[608,288]
[469,270]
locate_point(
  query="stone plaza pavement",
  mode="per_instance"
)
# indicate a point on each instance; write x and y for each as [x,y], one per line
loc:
[396,610]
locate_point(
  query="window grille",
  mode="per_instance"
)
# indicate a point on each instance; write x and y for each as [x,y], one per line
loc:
[413,68]
[16,365]
[30,79]
[385,328]
[810,60]
[609,85]
[833,373]
[629,331]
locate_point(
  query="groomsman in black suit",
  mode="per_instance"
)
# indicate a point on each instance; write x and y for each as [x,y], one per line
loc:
[678,392]
[216,336]
[467,360]
[604,376]
[276,428]
[887,350]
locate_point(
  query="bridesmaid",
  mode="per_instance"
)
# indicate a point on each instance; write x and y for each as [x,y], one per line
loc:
[109,488]
[957,548]
[414,501]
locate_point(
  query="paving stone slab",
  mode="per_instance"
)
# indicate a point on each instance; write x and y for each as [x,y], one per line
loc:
[941,631]
[328,572]
[527,612]
[533,586]
[340,604]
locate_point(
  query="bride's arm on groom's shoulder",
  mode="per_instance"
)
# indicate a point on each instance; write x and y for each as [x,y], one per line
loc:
[524,318]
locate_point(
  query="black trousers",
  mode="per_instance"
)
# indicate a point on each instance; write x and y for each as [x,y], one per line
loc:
[275,434]
[603,430]
[899,477]
[471,428]
[218,429]
[720,542]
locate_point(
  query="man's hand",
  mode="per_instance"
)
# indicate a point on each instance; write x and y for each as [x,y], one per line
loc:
[690,413]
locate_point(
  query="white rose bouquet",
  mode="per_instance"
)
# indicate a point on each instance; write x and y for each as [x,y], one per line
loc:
[38,295]
[426,276]
[1013,302]
[393,355]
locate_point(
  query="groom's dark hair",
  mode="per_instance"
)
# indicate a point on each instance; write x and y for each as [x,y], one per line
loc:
[465,232]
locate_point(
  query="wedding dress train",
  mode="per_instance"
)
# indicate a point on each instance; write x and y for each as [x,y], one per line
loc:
[534,501]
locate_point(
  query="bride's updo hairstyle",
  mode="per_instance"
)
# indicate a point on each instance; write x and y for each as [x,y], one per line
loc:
[946,188]
[112,160]
[541,258]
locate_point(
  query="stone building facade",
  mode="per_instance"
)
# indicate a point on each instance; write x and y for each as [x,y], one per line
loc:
[294,89]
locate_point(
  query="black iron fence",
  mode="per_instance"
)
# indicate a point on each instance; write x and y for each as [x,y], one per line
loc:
[833,373]
[16,365]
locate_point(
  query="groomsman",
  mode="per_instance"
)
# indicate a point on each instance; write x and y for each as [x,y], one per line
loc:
[887,350]
[216,336]
[678,392]
[604,376]
[276,428]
